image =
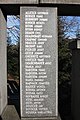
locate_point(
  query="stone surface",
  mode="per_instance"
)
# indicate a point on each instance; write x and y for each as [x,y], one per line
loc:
[53,118]
[65,8]
[10,113]
[38,49]
[18,1]
[41,1]
[61,1]
[3,63]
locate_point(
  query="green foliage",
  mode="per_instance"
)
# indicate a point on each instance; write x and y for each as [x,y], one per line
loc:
[64,54]
[13,60]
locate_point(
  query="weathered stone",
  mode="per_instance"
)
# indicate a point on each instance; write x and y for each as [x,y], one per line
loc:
[10,113]
[48,45]
[3,62]
[61,1]
[41,1]
[18,1]
[48,118]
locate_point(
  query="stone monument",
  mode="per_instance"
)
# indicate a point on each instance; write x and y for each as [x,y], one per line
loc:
[39,63]
[3,62]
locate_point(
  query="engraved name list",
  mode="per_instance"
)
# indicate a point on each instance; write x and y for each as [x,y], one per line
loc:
[38,62]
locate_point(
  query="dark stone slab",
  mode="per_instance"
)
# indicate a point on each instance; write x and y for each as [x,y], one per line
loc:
[74,44]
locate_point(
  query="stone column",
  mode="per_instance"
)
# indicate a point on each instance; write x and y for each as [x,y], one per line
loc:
[75,46]
[39,63]
[3,63]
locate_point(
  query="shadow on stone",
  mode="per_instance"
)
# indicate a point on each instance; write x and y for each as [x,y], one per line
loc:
[14,94]
[0,118]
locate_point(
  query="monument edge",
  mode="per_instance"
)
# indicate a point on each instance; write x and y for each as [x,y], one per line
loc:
[48,118]
[59,2]
[20,62]
[55,12]
[19,2]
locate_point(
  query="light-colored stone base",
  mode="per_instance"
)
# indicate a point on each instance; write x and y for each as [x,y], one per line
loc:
[48,118]
[10,113]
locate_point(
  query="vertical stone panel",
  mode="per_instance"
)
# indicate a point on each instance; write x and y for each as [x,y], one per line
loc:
[3,63]
[39,57]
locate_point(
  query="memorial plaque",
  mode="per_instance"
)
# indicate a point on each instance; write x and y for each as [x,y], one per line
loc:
[38,62]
